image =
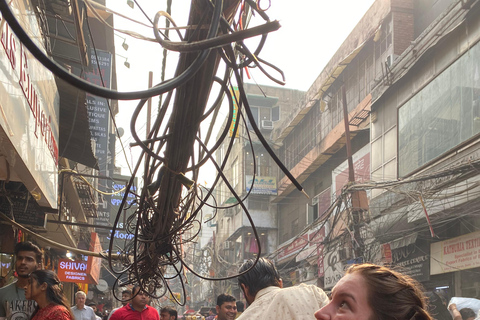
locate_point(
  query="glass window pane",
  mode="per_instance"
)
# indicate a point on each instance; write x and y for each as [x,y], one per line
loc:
[265,114]
[441,116]
[390,145]
[390,170]
[377,175]
[377,153]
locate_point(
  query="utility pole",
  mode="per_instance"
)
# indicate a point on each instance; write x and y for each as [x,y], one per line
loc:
[351,169]
[358,197]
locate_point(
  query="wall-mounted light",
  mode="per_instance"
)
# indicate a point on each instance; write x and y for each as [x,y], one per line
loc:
[126,63]
[130,3]
[124,44]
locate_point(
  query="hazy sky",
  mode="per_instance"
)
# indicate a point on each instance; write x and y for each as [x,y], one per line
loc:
[311,33]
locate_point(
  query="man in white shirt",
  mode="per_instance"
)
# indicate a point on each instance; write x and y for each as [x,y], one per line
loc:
[80,310]
[263,291]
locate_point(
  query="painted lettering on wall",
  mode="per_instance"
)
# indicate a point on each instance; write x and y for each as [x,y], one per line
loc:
[43,127]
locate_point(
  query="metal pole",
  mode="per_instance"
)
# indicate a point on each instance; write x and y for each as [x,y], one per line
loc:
[149,104]
[351,171]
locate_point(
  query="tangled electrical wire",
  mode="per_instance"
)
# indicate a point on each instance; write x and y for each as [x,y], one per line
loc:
[169,215]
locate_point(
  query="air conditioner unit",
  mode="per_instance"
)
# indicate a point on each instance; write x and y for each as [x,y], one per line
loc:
[267,124]
[390,59]
[228,245]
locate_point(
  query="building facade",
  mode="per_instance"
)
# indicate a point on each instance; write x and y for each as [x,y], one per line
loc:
[47,143]
[408,74]
[250,171]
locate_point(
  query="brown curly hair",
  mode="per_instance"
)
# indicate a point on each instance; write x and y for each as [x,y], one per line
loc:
[391,294]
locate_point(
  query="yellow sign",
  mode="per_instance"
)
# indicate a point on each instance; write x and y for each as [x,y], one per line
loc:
[236,97]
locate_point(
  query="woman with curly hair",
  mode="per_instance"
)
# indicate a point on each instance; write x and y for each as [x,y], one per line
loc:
[371,292]
[45,288]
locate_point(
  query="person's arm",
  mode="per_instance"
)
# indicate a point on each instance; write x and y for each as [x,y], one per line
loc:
[93,315]
[456,314]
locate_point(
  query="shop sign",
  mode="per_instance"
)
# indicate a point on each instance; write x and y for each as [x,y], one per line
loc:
[128,209]
[262,185]
[315,238]
[334,269]
[99,119]
[455,254]
[29,105]
[122,235]
[387,253]
[82,271]
[25,210]
[73,271]
[293,247]
[413,261]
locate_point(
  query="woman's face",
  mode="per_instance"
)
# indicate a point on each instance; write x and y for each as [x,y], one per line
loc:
[32,289]
[349,301]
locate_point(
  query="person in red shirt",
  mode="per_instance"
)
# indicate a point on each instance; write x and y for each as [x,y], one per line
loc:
[137,309]
[45,288]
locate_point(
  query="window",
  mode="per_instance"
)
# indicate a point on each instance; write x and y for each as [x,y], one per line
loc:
[383,44]
[384,146]
[262,113]
[300,141]
[258,203]
[312,213]
[275,113]
[441,116]
[255,116]
[251,244]
[262,162]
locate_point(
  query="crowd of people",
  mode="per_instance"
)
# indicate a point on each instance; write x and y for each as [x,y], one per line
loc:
[366,291]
